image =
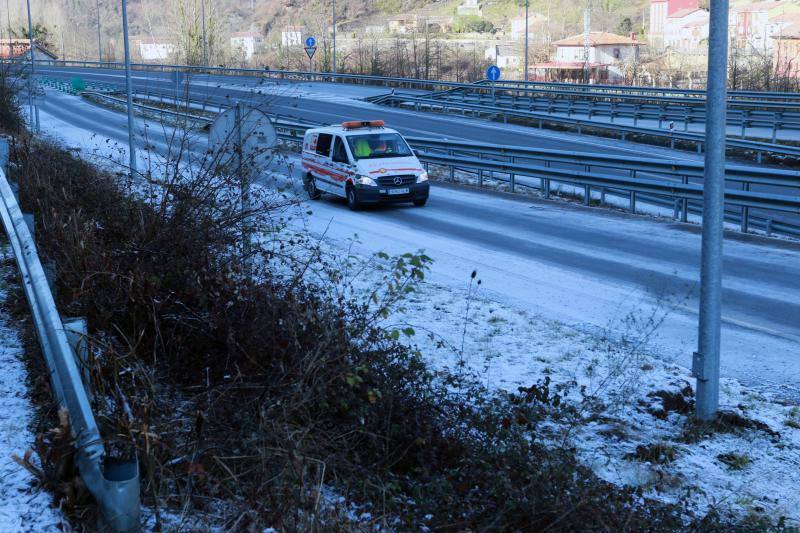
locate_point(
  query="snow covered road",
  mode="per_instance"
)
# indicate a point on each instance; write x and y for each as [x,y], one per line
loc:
[594,269]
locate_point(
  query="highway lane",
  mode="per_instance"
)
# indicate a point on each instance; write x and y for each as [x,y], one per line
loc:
[586,267]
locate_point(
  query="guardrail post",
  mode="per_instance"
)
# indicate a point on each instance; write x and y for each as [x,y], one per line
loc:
[587,190]
[768,227]
[775,126]
[452,169]
[745,211]
[745,114]
[685,202]
[512,178]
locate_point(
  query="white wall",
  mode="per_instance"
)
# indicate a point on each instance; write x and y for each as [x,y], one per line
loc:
[154,51]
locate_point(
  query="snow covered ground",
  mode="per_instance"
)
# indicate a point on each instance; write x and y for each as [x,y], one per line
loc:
[745,470]
[629,346]
[23,505]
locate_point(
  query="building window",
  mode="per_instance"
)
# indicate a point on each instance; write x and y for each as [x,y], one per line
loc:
[616,53]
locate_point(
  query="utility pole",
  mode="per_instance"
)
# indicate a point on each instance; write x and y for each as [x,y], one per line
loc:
[8,15]
[205,40]
[526,40]
[705,364]
[587,24]
[129,88]
[99,44]
[34,110]
[334,37]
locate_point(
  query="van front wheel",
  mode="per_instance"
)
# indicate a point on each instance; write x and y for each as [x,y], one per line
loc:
[352,199]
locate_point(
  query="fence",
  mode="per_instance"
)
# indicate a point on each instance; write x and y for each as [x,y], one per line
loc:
[113,482]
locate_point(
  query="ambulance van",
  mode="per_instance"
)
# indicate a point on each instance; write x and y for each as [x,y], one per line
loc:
[363,162]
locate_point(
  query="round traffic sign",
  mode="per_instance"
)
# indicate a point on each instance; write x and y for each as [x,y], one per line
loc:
[311,42]
[493,73]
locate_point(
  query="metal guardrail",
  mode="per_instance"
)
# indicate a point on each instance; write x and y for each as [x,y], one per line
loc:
[114,483]
[676,190]
[668,172]
[780,118]
[673,168]
[646,92]
[542,119]
[516,161]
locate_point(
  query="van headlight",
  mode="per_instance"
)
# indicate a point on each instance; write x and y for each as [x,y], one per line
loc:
[422,177]
[366,180]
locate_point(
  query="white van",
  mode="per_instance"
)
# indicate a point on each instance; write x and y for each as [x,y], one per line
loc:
[364,162]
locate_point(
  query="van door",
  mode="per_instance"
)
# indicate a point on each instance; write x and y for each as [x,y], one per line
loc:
[341,165]
[323,163]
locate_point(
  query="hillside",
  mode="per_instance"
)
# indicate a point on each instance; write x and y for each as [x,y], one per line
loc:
[71,25]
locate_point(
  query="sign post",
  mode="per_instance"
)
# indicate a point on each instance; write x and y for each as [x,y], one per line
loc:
[242,139]
[493,74]
[310,48]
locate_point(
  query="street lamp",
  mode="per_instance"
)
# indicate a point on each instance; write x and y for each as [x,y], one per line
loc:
[334,37]
[526,40]
[34,111]
[129,88]
[205,40]
[99,44]
[706,361]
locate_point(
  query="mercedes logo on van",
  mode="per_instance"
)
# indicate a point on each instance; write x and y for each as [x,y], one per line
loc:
[398,180]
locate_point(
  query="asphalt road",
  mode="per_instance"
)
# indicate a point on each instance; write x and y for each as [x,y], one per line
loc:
[579,265]
[281,99]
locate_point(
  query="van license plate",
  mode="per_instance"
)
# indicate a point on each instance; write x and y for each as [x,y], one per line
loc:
[398,191]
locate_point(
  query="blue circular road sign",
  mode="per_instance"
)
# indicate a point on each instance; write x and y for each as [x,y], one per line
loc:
[493,73]
[311,42]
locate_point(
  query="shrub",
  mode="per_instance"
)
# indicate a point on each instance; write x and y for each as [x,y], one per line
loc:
[250,380]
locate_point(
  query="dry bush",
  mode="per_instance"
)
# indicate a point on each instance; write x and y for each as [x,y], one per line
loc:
[250,395]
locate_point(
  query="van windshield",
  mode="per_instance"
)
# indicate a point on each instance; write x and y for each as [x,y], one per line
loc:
[377,145]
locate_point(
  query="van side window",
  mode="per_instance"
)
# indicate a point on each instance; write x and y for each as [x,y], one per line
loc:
[339,151]
[324,144]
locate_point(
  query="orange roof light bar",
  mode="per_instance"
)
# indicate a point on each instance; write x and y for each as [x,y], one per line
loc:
[355,124]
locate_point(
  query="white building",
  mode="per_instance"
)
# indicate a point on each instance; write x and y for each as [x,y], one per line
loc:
[247,43]
[750,24]
[608,56]
[470,7]
[684,29]
[292,36]
[155,48]
[504,56]
[782,25]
